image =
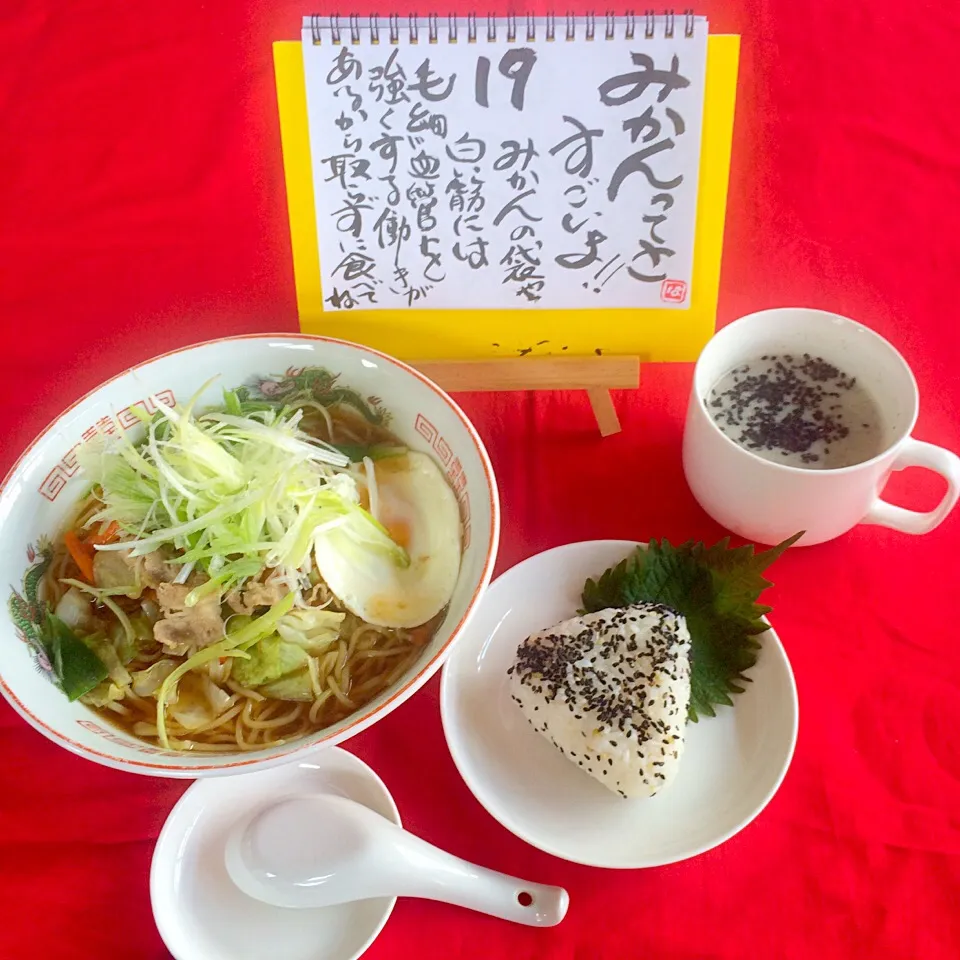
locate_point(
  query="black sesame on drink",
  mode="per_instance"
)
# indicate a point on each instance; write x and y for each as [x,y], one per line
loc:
[798,410]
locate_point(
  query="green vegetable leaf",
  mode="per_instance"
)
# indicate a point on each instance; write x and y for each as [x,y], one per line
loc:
[269,659]
[237,402]
[617,587]
[716,589]
[294,686]
[357,451]
[74,664]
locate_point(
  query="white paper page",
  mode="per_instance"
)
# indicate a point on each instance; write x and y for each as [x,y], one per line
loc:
[505,174]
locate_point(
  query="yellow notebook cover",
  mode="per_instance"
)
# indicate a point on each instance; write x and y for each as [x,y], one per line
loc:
[652,334]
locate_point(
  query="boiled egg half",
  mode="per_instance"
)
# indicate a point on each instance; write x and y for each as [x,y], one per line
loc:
[412,499]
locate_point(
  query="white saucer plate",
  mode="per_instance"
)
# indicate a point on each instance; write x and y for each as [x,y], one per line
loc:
[202,915]
[732,766]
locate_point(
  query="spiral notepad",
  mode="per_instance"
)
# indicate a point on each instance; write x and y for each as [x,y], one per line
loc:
[480,162]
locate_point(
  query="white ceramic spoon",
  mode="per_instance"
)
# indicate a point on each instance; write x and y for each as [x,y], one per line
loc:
[322,850]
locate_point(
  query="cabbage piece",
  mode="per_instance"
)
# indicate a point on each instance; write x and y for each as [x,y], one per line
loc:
[294,686]
[219,700]
[313,629]
[128,645]
[102,694]
[192,707]
[74,609]
[107,654]
[269,659]
[147,682]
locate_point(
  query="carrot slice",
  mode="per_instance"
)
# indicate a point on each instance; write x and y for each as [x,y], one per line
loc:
[107,535]
[82,554]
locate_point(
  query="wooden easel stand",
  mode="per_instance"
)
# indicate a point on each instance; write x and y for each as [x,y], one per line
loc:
[597,375]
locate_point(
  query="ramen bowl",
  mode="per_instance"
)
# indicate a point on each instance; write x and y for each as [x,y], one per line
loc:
[42,490]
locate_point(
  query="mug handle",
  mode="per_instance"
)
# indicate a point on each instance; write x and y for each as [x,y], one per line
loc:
[917,453]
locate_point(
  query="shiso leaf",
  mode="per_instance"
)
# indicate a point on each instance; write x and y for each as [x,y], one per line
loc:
[716,589]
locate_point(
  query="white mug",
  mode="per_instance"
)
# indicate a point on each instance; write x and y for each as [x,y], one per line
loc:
[768,502]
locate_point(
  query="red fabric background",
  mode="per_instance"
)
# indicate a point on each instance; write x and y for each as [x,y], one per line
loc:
[142,207]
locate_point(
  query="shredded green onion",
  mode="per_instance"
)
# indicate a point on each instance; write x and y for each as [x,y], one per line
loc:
[233,492]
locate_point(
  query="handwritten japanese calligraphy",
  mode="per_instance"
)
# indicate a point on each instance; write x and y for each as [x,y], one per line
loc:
[492,174]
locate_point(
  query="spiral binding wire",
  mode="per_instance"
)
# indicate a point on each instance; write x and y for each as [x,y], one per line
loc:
[585,25]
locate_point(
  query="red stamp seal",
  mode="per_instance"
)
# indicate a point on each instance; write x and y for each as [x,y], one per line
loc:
[673,291]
